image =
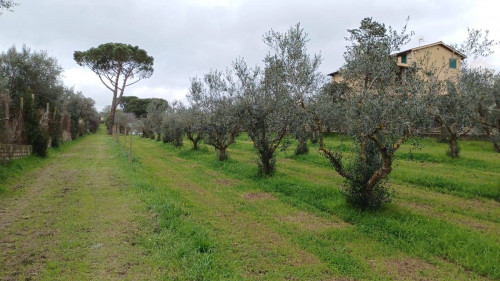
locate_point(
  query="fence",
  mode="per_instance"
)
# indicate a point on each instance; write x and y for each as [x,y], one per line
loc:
[14,151]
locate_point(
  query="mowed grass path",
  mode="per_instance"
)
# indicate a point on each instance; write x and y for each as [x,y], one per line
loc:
[179,214]
[71,219]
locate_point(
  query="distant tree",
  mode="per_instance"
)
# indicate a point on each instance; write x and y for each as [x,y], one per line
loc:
[194,117]
[135,105]
[105,114]
[55,128]
[325,119]
[31,81]
[83,115]
[172,127]
[466,99]
[120,120]
[27,74]
[118,66]
[36,134]
[303,131]
[490,117]
[153,122]
[486,84]
[31,72]
[147,128]
[215,95]
[456,114]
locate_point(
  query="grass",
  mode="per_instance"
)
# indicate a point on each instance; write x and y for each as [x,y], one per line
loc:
[67,217]
[192,217]
[12,170]
[445,240]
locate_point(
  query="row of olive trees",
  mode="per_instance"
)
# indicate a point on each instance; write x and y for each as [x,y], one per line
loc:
[268,103]
[288,97]
[36,107]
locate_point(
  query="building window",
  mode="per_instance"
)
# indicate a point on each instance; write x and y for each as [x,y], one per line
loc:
[403,59]
[453,63]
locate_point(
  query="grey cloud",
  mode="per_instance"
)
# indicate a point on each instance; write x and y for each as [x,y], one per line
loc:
[188,38]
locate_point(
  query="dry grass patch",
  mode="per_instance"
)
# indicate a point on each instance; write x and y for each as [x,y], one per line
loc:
[406,268]
[193,187]
[257,196]
[226,182]
[304,220]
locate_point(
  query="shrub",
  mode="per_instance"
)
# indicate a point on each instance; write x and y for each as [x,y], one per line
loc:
[40,141]
[302,148]
[356,190]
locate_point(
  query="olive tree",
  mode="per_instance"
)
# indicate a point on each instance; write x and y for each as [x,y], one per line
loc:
[155,111]
[172,127]
[455,112]
[266,109]
[303,130]
[489,113]
[215,97]
[301,78]
[484,82]
[6,5]
[273,99]
[193,116]
[466,99]
[484,85]
[379,112]
[118,66]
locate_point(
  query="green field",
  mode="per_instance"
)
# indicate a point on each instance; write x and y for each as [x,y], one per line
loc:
[202,219]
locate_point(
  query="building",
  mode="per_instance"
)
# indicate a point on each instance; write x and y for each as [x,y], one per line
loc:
[439,57]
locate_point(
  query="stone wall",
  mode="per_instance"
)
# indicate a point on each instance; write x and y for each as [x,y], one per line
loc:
[14,151]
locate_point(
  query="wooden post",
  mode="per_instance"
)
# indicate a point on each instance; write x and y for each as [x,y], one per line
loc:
[47,109]
[7,127]
[130,149]
[125,139]
[6,112]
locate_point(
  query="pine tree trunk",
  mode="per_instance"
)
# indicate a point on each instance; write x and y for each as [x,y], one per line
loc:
[111,122]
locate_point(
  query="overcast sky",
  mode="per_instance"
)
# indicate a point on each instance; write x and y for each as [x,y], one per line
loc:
[189,38]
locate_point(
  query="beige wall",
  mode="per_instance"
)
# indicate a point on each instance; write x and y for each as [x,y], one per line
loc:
[435,58]
[337,78]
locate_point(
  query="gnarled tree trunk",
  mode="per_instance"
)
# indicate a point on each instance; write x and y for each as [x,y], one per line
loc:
[453,142]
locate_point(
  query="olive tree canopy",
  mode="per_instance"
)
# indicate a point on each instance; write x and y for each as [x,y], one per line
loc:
[7,5]
[118,66]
